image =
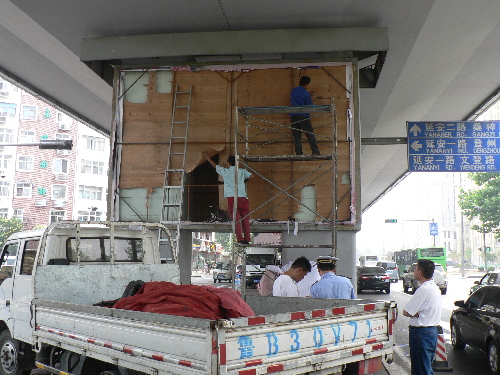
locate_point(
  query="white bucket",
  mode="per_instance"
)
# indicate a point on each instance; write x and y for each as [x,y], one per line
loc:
[307,199]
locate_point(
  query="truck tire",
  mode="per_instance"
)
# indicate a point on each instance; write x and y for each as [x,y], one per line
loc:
[10,362]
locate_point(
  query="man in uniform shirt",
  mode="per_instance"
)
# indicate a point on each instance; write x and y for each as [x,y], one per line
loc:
[330,285]
[286,284]
[424,311]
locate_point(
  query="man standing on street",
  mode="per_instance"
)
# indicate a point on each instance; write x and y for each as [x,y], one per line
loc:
[330,285]
[424,311]
[286,284]
[301,122]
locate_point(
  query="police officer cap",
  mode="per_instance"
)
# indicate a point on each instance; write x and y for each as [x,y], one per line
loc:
[325,259]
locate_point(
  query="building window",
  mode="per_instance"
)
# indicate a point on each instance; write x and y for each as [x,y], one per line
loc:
[94,143]
[23,189]
[6,135]
[4,188]
[29,112]
[94,167]
[4,212]
[19,213]
[61,166]
[25,163]
[27,136]
[58,191]
[57,215]
[63,136]
[5,161]
[90,192]
[7,110]
[89,215]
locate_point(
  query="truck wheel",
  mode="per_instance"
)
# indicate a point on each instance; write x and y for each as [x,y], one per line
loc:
[215,281]
[10,363]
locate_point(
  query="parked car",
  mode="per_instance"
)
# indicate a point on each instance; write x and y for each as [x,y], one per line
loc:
[491,278]
[391,268]
[373,278]
[439,278]
[476,322]
[222,271]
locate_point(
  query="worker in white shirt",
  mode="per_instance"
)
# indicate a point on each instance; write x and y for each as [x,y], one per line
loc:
[424,311]
[286,284]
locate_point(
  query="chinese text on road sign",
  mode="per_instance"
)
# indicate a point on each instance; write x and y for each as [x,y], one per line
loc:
[467,146]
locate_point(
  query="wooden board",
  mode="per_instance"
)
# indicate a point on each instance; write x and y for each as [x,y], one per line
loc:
[212,125]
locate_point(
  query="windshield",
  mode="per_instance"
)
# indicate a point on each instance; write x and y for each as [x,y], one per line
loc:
[371,270]
[261,259]
[432,252]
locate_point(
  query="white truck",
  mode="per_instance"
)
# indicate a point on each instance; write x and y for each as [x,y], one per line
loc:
[257,258]
[48,317]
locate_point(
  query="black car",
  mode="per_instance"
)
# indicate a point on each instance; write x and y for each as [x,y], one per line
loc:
[373,278]
[476,322]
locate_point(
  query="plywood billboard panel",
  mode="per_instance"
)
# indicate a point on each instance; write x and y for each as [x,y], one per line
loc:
[213,124]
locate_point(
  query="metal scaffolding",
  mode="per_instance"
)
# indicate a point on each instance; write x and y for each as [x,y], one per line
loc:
[255,118]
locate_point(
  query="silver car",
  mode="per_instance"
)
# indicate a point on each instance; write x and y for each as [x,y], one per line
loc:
[391,269]
[439,278]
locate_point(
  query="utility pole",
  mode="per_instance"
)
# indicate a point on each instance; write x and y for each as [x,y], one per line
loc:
[484,249]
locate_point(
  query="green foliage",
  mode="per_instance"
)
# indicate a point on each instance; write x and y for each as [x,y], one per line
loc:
[224,239]
[8,227]
[483,202]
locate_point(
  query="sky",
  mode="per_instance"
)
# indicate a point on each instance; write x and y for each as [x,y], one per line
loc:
[415,202]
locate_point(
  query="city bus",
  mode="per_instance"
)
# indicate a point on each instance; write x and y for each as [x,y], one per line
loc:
[407,257]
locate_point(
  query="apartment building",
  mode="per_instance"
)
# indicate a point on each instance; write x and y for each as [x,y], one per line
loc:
[42,186]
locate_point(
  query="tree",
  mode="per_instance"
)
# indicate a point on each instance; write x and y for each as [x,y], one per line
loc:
[8,227]
[483,202]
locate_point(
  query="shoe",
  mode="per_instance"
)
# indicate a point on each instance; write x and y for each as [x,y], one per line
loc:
[243,242]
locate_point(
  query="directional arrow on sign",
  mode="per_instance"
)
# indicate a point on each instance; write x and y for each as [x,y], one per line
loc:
[415,129]
[416,146]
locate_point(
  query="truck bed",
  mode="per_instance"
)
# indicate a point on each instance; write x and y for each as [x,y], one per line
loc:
[294,335]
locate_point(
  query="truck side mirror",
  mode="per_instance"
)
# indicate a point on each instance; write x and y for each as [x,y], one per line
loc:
[460,303]
[405,271]
[476,282]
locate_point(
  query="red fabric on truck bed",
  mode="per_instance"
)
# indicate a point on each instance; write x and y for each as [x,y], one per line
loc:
[206,302]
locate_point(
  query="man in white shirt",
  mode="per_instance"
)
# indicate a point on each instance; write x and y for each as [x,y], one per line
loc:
[286,284]
[424,311]
[309,279]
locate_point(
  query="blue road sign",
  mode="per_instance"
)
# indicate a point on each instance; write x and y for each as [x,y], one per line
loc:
[457,146]
[434,229]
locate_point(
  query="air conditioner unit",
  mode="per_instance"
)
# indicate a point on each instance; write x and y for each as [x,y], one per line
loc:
[61,177]
[63,126]
[3,119]
[4,93]
[59,203]
[41,203]
[62,152]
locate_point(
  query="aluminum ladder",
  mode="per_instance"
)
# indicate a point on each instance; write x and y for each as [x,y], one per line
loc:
[173,181]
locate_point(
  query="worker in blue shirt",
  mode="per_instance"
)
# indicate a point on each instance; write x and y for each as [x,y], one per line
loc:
[330,285]
[301,122]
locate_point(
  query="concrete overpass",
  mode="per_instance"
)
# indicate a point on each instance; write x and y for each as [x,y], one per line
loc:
[441,63]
